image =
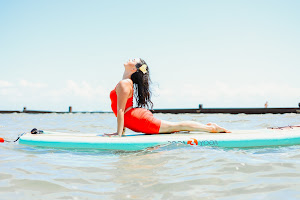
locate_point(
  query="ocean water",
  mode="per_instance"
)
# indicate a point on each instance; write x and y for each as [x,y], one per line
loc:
[171,172]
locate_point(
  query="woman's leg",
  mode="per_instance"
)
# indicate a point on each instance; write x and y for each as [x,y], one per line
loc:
[170,127]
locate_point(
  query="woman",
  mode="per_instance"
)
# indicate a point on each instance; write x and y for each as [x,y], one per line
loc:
[135,83]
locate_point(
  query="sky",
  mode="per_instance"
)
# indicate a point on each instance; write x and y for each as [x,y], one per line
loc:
[221,54]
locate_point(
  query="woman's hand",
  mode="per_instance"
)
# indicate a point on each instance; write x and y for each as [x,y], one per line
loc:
[112,135]
[217,129]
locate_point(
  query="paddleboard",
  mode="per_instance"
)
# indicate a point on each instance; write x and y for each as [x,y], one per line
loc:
[134,142]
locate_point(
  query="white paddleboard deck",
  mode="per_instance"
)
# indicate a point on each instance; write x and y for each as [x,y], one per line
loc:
[238,138]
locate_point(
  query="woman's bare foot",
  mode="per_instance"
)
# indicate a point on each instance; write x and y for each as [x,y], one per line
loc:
[217,129]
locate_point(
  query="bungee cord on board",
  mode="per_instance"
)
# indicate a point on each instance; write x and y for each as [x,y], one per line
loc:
[33,131]
[283,127]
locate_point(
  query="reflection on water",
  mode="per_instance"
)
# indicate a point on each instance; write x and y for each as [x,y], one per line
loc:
[170,172]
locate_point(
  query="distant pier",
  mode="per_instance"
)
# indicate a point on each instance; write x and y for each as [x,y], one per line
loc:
[231,110]
[202,110]
[199,110]
[25,110]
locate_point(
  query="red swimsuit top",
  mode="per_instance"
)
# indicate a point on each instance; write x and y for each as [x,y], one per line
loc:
[114,101]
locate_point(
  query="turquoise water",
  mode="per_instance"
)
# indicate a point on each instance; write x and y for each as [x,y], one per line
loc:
[171,172]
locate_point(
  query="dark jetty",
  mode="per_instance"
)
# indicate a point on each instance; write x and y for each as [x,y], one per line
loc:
[46,112]
[231,110]
[180,111]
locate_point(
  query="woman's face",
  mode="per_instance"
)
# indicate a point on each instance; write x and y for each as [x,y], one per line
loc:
[131,63]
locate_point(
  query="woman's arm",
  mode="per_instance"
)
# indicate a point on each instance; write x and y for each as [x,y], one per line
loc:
[123,91]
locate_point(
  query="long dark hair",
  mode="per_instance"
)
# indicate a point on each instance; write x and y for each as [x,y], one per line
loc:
[142,81]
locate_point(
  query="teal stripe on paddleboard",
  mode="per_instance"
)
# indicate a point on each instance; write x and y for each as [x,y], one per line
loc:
[254,142]
[84,145]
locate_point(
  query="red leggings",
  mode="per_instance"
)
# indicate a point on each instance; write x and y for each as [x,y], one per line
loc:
[141,120]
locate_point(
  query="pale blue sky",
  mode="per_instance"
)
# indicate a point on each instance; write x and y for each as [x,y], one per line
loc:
[218,53]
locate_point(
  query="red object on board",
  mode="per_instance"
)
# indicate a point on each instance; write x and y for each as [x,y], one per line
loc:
[1,139]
